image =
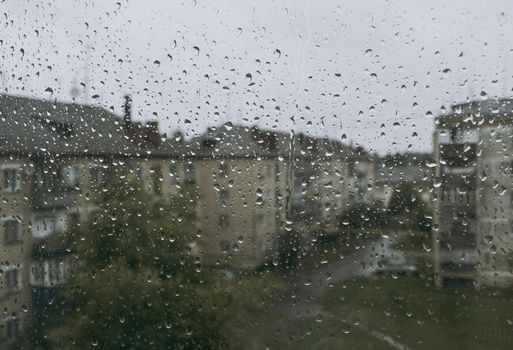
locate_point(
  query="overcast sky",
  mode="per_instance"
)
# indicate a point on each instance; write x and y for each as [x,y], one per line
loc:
[375,71]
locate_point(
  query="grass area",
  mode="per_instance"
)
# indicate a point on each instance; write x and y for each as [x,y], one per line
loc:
[278,331]
[419,315]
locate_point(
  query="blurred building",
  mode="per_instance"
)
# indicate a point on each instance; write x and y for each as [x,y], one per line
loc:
[474,207]
[260,188]
[256,188]
[55,157]
[361,176]
[410,171]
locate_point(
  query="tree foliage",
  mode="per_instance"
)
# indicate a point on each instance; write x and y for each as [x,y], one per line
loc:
[137,286]
[407,205]
[362,215]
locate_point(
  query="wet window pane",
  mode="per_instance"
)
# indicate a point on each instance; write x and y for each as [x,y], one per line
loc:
[256,174]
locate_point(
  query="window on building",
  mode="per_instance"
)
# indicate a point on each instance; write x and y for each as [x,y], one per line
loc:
[13,279]
[156,179]
[223,194]
[54,272]
[37,275]
[95,175]
[454,134]
[223,221]
[70,175]
[224,246]
[190,174]
[12,231]
[73,219]
[12,181]
[173,173]
[43,225]
[223,169]
[261,221]
[13,326]
[264,169]
[137,170]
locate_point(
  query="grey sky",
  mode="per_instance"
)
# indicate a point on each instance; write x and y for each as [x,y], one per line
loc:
[373,70]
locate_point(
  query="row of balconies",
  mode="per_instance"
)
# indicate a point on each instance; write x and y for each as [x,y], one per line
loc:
[43,198]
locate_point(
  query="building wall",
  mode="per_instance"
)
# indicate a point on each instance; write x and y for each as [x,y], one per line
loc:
[334,193]
[495,214]
[15,205]
[238,205]
[454,215]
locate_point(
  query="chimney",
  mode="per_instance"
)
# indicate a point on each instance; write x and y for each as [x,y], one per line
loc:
[151,134]
[127,113]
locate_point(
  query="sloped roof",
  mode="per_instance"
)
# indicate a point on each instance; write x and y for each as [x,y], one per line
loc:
[238,141]
[30,126]
[476,113]
[499,107]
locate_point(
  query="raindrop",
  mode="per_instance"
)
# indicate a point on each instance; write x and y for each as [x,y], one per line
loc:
[228,126]
[502,18]
[249,77]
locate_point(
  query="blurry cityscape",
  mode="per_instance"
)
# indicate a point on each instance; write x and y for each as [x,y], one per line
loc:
[312,211]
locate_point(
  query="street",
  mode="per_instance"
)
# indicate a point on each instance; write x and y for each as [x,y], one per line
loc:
[309,285]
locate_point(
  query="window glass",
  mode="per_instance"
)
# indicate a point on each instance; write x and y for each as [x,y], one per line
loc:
[11,177]
[257,174]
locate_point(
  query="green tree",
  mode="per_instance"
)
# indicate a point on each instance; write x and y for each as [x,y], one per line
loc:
[136,284]
[361,215]
[407,206]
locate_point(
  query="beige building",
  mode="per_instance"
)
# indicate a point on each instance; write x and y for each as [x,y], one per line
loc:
[238,179]
[260,190]
[474,211]
[15,295]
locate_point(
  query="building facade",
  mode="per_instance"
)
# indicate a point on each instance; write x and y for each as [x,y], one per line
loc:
[473,211]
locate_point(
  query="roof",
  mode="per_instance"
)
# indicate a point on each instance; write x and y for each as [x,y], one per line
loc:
[38,127]
[475,113]
[238,141]
[500,106]
[31,126]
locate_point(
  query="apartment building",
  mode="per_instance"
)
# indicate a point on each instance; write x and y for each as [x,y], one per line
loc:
[237,173]
[473,211]
[55,156]
[494,191]
[362,174]
[320,179]
[262,188]
[416,175]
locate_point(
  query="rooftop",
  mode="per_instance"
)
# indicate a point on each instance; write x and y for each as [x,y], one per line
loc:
[31,126]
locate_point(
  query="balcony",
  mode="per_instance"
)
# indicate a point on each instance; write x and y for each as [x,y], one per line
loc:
[458,238]
[459,209]
[465,181]
[458,155]
[43,198]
